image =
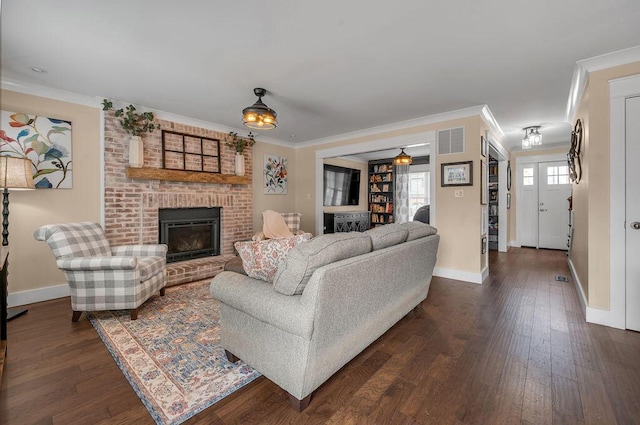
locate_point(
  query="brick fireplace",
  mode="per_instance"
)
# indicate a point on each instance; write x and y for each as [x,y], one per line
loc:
[132,205]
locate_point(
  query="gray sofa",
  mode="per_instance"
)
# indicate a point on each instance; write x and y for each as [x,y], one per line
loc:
[331,298]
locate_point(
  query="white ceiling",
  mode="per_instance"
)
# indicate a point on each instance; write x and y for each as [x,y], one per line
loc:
[330,67]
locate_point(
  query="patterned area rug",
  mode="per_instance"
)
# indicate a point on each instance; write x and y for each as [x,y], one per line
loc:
[170,355]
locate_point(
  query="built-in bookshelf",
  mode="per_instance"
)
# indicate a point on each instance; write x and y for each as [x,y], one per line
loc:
[494,224]
[381,190]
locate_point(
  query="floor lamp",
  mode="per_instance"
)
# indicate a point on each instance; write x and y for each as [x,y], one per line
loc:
[15,174]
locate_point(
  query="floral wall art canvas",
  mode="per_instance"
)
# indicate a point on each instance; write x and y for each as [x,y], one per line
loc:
[275,175]
[45,141]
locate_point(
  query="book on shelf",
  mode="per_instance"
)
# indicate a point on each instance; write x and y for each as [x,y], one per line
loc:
[382,168]
[385,188]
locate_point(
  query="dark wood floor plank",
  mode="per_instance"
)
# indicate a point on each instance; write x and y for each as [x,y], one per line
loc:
[536,408]
[515,349]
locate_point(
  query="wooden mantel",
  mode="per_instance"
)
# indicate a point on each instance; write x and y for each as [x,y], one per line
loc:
[147,173]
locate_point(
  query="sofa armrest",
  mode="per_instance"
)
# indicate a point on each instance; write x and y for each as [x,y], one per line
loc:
[152,250]
[97,263]
[258,299]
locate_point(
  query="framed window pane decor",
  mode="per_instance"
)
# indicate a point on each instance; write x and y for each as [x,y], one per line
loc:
[457,174]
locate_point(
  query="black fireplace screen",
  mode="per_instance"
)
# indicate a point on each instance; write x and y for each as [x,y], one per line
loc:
[190,232]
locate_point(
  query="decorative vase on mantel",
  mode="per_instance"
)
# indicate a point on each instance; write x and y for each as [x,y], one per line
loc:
[239,164]
[136,152]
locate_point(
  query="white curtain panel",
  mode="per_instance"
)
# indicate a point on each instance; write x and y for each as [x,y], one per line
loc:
[401,207]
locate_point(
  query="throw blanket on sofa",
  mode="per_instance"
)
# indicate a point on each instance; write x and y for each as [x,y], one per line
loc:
[274,226]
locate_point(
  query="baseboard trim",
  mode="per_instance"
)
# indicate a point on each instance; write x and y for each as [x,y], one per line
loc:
[459,275]
[38,295]
[576,281]
[514,244]
[593,315]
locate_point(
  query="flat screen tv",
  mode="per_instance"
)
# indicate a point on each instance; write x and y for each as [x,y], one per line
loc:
[341,186]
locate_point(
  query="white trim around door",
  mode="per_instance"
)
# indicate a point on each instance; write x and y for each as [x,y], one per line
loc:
[619,90]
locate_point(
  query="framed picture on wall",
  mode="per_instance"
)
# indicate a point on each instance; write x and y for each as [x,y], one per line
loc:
[484,146]
[456,174]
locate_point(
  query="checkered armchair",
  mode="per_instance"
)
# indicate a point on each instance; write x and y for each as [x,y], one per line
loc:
[292,219]
[102,277]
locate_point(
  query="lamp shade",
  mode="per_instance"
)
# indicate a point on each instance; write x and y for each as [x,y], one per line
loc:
[15,173]
[402,158]
[259,116]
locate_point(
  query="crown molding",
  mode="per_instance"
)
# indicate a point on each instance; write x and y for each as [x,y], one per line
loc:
[609,60]
[49,93]
[401,125]
[495,133]
[596,63]
[576,91]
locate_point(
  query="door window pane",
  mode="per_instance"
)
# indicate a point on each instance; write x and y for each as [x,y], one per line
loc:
[558,175]
[527,176]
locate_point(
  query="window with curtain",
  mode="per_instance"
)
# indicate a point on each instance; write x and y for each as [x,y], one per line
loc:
[419,185]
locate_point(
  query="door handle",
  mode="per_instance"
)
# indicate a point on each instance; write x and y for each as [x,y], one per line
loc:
[635,225]
[544,209]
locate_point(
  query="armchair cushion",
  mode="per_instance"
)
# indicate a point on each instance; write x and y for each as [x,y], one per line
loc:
[151,266]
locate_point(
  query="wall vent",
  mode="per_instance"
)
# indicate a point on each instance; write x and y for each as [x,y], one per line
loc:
[451,141]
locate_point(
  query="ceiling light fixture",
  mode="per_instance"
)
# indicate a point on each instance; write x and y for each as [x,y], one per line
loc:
[532,137]
[259,116]
[402,158]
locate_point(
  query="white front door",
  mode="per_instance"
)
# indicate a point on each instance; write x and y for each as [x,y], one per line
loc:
[554,189]
[527,211]
[632,213]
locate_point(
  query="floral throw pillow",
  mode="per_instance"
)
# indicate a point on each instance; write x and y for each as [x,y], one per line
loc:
[260,259]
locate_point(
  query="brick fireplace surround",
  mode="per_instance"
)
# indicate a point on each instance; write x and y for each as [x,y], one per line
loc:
[131,205]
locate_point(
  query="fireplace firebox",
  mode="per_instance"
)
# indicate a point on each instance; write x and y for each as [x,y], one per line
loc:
[190,232]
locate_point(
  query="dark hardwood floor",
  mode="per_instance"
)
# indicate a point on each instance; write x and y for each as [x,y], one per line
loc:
[515,350]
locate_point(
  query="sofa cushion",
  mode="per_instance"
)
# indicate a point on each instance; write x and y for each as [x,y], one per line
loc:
[387,235]
[294,273]
[418,230]
[260,259]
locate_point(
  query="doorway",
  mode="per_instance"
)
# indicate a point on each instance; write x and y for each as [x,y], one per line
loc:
[632,213]
[543,188]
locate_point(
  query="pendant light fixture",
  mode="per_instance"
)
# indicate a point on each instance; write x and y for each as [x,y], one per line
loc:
[259,116]
[532,137]
[402,158]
